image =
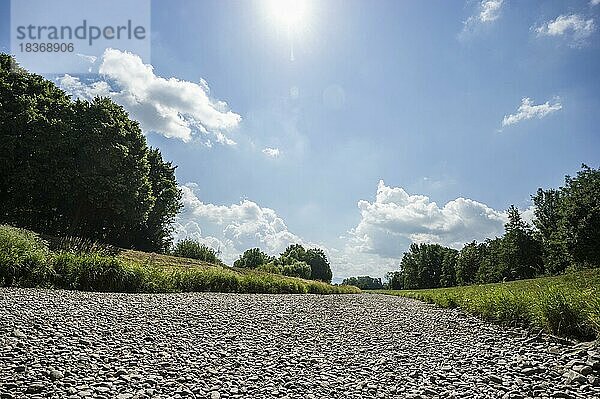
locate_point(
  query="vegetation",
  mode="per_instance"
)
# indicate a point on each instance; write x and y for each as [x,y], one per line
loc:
[27,261]
[193,249]
[566,305]
[566,233]
[252,258]
[295,261]
[364,282]
[80,168]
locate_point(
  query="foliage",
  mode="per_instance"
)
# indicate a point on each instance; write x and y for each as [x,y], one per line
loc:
[364,282]
[297,269]
[568,221]
[23,258]
[193,249]
[252,258]
[395,280]
[422,265]
[154,234]
[314,257]
[79,168]
[26,261]
[566,305]
[468,263]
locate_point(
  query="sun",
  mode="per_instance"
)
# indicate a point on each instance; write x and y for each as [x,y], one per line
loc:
[290,14]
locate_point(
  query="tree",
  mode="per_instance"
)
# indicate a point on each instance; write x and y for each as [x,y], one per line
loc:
[314,257]
[548,221]
[364,282]
[155,234]
[580,216]
[319,265]
[468,263]
[252,258]
[395,280]
[521,252]
[194,249]
[297,269]
[79,168]
[427,265]
[448,274]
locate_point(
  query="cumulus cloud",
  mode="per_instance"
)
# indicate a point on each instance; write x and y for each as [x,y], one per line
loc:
[271,152]
[232,228]
[594,2]
[171,107]
[575,26]
[396,219]
[528,110]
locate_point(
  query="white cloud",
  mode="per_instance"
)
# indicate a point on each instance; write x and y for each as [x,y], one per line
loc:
[528,110]
[171,107]
[395,219]
[271,152]
[594,2]
[387,227]
[233,228]
[576,27]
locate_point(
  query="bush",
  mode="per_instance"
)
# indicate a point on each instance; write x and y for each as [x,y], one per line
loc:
[193,249]
[296,269]
[23,258]
[97,272]
[252,258]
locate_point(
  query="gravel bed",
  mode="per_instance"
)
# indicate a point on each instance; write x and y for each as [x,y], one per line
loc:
[67,344]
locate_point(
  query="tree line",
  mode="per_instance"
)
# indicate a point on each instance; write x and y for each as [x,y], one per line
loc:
[565,233]
[80,168]
[295,261]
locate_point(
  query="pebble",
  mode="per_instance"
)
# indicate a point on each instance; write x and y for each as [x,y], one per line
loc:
[68,344]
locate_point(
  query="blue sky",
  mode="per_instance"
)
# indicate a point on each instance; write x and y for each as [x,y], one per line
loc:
[413,93]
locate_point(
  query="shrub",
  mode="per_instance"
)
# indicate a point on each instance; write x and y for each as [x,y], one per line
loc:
[193,249]
[296,269]
[97,272]
[252,258]
[23,258]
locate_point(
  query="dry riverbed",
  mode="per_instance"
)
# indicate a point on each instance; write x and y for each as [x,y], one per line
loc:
[66,344]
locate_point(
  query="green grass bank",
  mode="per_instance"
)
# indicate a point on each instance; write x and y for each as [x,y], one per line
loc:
[27,261]
[566,305]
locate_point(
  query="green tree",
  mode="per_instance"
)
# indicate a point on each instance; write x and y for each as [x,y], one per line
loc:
[395,280]
[314,257]
[193,249]
[448,273]
[580,216]
[521,254]
[252,258]
[79,168]
[156,232]
[319,265]
[550,227]
[468,262]
[297,269]
[364,282]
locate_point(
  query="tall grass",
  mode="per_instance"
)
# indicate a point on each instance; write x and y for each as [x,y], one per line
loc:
[26,261]
[567,305]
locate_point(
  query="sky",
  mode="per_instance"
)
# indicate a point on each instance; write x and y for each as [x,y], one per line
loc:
[357,126]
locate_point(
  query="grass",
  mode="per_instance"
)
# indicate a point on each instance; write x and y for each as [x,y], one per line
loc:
[27,261]
[566,305]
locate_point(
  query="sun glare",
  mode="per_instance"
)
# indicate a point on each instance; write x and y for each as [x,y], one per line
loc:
[290,14]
